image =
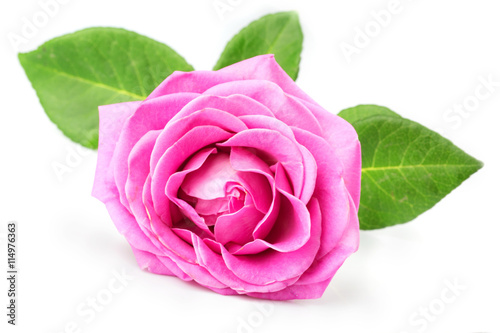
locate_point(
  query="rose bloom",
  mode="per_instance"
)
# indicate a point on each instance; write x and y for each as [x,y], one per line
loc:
[235,179]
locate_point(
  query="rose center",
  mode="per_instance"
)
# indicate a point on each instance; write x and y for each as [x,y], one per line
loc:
[214,189]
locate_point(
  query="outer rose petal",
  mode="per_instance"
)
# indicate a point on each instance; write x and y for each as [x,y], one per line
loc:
[111,121]
[150,115]
[237,105]
[128,227]
[138,161]
[150,262]
[283,106]
[330,189]
[344,139]
[328,265]
[309,291]
[262,67]
[313,283]
[216,267]
[175,130]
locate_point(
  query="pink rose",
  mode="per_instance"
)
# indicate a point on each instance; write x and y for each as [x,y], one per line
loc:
[235,179]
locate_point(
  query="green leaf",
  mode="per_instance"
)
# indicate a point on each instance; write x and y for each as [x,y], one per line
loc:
[75,73]
[279,34]
[407,169]
[364,111]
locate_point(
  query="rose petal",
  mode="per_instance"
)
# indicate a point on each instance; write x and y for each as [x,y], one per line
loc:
[127,225]
[313,283]
[211,207]
[163,232]
[215,265]
[292,227]
[265,67]
[237,227]
[195,272]
[175,130]
[310,171]
[242,159]
[150,115]
[328,265]
[209,180]
[236,105]
[264,122]
[262,67]
[344,139]
[309,291]
[171,160]
[138,163]
[287,230]
[111,121]
[283,106]
[265,226]
[330,189]
[288,154]
[271,266]
[177,179]
[258,188]
[150,262]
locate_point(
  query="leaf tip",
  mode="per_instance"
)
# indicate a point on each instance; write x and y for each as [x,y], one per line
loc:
[293,13]
[480,165]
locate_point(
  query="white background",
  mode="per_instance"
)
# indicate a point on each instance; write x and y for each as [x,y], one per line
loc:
[428,58]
